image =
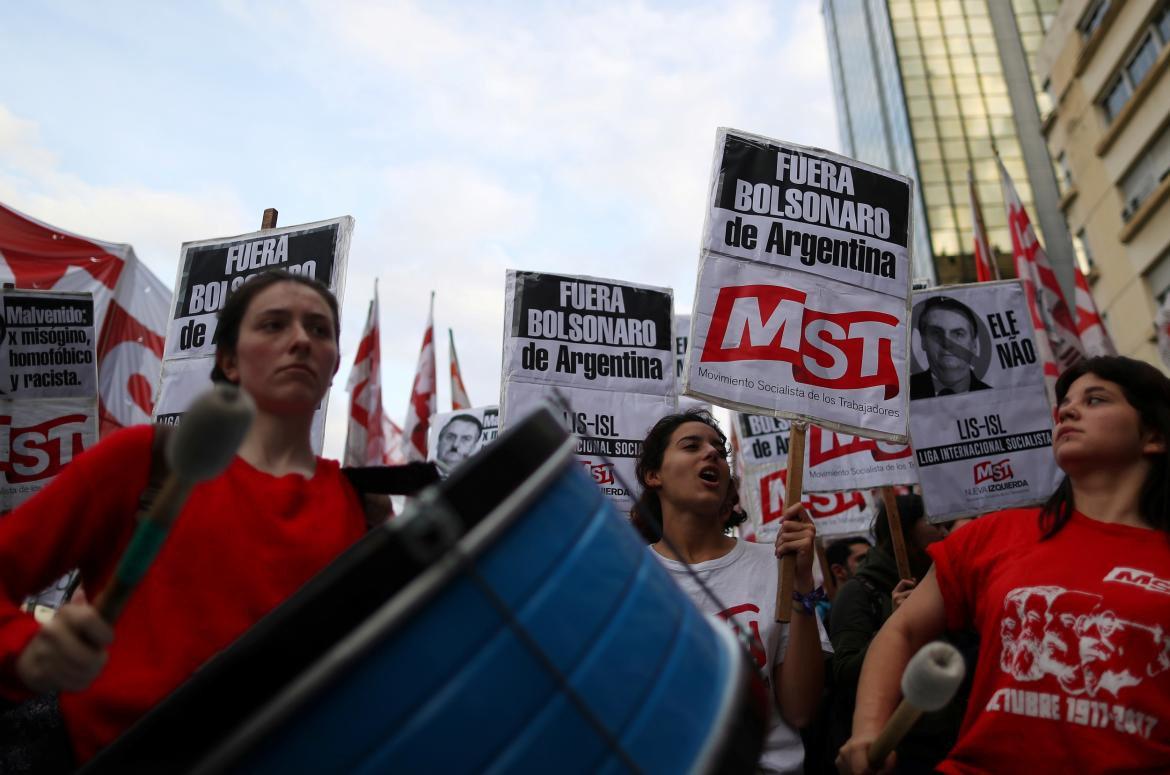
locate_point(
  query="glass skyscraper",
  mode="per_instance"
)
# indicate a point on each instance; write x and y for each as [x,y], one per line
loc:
[922,87]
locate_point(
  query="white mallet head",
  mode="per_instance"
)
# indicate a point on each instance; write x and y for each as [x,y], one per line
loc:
[933,676]
[211,431]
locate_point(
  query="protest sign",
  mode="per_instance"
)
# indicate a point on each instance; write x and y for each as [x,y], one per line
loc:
[590,333]
[981,422]
[836,513]
[609,428]
[456,436]
[833,461]
[600,353]
[682,338]
[211,270]
[48,346]
[804,280]
[48,394]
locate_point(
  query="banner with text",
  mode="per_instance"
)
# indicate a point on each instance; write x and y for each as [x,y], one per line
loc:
[682,338]
[456,436]
[211,270]
[787,344]
[981,421]
[610,429]
[48,394]
[834,513]
[804,280]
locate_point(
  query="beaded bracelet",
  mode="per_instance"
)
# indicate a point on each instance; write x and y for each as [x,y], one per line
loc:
[808,603]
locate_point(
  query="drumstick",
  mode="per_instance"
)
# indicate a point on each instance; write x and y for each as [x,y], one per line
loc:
[793,489]
[201,448]
[929,682]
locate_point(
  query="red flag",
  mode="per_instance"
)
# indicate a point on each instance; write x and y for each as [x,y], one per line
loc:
[1056,333]
[985,267]
[422,395]
[395,449]
[459,399]
[364,440]
[1091,328]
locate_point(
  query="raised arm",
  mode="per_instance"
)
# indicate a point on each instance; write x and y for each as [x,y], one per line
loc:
[799,680]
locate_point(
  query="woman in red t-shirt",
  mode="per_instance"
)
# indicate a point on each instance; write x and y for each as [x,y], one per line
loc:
[1072,601]
[242,543]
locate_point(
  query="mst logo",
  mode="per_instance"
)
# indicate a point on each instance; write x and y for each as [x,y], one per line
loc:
[992,471]
[845,350]
[39,451]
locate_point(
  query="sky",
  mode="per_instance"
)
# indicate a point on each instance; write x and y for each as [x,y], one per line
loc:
[464,138]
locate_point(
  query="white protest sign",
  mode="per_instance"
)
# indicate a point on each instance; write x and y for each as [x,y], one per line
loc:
[803,289]
[682,338]
[589,333]
[610,429]
[456,436]
[47,345]
[601,353]
[48,391]
[837,513]
[839,461]
[762,440]
[211,270]
[981,422]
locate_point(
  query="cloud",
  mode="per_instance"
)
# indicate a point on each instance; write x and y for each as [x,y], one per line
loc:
[154,221]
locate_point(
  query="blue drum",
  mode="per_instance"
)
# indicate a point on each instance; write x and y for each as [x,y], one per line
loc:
[534,632]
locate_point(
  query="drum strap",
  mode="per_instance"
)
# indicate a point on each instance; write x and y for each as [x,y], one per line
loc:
[370,483]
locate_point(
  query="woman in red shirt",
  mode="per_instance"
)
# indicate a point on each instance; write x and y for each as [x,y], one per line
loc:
[1072,601]
[242,543]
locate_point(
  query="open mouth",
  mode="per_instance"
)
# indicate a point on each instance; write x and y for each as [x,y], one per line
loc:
[709,474]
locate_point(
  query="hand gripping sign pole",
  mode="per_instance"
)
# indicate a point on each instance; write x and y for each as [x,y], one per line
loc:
[794,486]
[931,678]
[895,522]
[200,449]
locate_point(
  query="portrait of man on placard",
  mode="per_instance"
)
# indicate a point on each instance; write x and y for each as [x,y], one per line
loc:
[951,335]
[458,439]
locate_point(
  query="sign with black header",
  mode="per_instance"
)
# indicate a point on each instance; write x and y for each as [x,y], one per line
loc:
[802,303]
[980,420]
[48,391]
[211,270]
[601,354]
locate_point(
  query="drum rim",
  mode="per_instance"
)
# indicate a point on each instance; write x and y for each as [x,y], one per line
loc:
[391,615]
[708,759]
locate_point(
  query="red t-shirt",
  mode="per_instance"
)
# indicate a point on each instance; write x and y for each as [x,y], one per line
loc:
[242,544]
[1074,660]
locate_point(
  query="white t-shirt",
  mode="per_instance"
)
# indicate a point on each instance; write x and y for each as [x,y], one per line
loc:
[745,581]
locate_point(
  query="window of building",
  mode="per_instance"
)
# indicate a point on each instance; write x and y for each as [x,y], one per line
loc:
[1093,18]
[1063,173]
[1143,59]
[1148,171]
[1137,65]
[1084,255]
[1116,96]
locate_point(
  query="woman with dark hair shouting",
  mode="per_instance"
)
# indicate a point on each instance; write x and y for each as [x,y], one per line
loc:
[688,496]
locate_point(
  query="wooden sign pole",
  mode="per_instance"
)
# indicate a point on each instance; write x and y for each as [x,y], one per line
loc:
[794,486]
[896,537]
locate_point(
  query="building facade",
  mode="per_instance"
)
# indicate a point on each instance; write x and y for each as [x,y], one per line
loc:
[932,89]
[1105,63]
